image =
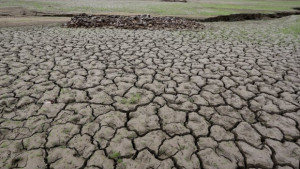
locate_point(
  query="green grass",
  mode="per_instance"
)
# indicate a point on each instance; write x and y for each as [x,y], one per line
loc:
[135,98]
[293,29]
[3,145]
[116,156]
[191,9]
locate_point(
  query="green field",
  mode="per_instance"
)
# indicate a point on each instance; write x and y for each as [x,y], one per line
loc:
[195,8]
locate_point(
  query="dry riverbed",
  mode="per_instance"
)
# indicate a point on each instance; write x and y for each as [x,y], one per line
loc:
[223,97]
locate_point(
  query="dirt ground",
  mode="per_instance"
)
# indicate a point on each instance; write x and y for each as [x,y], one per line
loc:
[223,97]
[27,21]
[18,16]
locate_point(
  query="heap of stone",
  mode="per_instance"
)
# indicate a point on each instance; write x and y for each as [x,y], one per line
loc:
[132,22]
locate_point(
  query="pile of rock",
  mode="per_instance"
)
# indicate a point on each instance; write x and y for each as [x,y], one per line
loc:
[132,22]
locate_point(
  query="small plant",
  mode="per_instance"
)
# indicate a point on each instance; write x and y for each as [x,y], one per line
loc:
[162,151]
[3,145]
[75,119]
[116,156]
[132,100]
[39,154]
[181,147]
[124,101]
[66,130]
[135,98]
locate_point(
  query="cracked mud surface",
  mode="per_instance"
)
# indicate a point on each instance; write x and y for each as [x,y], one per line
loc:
[226,97]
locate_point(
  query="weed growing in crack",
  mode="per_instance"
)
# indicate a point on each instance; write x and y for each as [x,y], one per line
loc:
[131,136]
[162,151]
[191,100]
[4,145]
[66,130]
[182,147]
[124,101]
[19,147]
[134,99]
[116,156]
[75,119]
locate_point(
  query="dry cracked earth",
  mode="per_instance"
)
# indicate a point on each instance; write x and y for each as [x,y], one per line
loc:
[225,97]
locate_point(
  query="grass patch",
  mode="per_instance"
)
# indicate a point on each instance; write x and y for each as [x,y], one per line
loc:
[293,29]
[4,145]
[135,98]
[116,156]
[190,9]
[66,130]
[34,5]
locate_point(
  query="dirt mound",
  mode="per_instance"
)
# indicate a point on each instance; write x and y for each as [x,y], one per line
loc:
[132,22]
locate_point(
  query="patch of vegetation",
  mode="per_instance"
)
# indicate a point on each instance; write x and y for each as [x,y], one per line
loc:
[190,9]
[66,130]
[162,151]
[75,119]
[116,156]
[135,98]
[4,145]
[39,154]
[182,147]
[8,166]
[191,100]
[293,29]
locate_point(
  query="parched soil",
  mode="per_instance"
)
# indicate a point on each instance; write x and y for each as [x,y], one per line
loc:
[132,22]
[225,97]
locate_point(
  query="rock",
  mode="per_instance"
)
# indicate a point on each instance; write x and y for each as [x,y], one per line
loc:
[132,22]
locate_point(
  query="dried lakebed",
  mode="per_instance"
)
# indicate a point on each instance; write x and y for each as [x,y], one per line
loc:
[225,97]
